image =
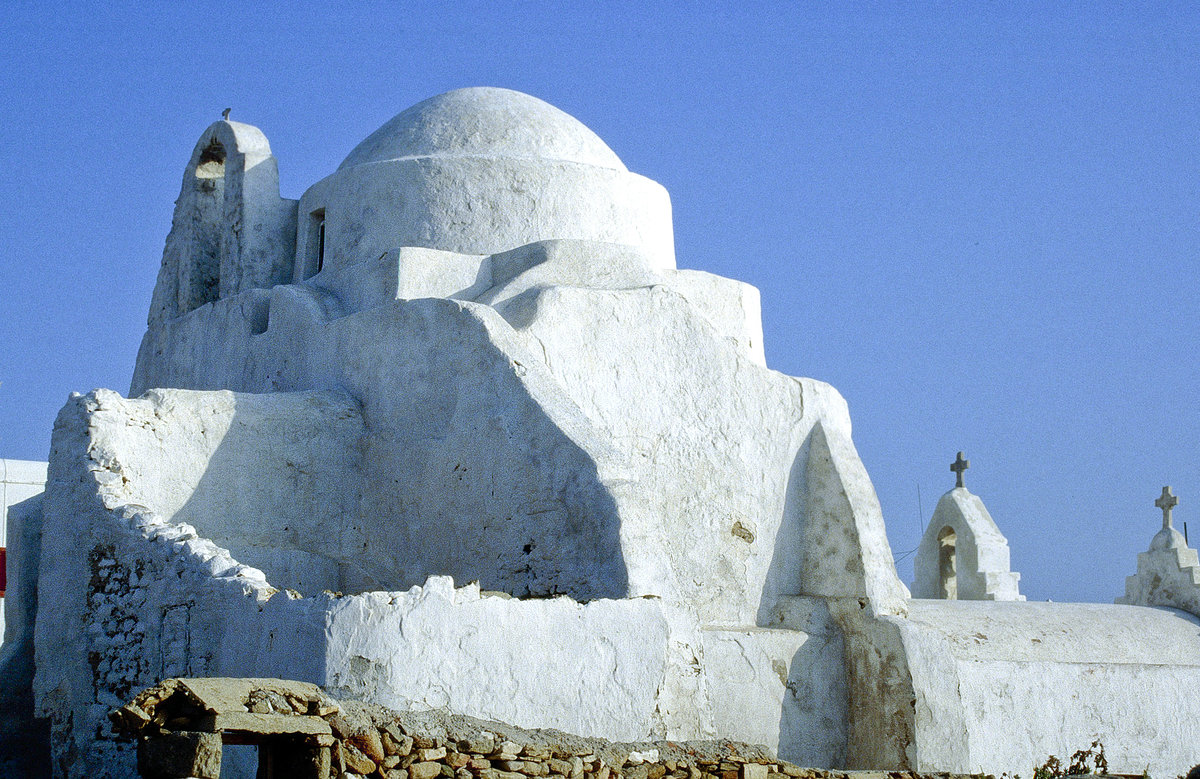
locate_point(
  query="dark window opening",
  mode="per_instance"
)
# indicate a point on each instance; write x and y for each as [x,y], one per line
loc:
[201,281]
[212,161]
[315,260]
[321,244]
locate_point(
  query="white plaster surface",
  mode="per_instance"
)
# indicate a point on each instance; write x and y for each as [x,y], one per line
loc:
[1168,574]
[511,429]
[149,597]
[999,686]
[20,481]
[982,566]
[479,171]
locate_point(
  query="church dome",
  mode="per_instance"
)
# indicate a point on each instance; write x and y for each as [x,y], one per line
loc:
[484,122]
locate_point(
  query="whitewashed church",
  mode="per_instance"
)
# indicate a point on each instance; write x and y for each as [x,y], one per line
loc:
[453,430]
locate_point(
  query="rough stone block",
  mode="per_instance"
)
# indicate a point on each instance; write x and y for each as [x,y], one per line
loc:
[424,770]
[356,760]
[369,743]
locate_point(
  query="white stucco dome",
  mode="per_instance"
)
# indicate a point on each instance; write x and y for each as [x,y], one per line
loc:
[480,171]
[484,122]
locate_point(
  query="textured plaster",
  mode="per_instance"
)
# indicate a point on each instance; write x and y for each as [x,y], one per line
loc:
[231,231]
[510,430]
[1000,686]
[1168,574]
[153,597]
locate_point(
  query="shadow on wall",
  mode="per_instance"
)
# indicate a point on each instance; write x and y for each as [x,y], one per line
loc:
[24,739]
[812,722]
[787,559]
[279,480]
[274,478]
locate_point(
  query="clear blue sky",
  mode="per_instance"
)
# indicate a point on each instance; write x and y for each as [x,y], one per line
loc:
[978,221]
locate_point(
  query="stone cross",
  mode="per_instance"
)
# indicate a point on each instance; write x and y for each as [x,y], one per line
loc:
[958,466]
[1166,502]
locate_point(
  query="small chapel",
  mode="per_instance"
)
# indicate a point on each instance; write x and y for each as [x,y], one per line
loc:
[453,430]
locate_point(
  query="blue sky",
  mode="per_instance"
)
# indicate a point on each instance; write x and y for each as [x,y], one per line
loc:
[979,222]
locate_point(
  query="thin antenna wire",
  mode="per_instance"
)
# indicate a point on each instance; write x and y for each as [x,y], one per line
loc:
[920,528]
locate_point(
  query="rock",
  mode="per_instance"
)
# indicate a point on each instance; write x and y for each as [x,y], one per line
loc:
[424,770]
[337,758]
[457,759]
[754,771]
[428,755]
[369,743]
[507,748]
[481,744]
[356,760]
[401,744]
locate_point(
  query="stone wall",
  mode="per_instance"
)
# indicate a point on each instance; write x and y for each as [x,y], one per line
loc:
[354,740]
[371,741]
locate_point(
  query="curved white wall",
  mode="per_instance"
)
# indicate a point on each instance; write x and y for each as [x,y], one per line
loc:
[480,205]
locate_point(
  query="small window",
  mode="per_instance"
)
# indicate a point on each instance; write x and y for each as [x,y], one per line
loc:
[315,261]
[321,244]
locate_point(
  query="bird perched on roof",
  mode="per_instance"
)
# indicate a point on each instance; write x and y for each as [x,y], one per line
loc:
[225,114]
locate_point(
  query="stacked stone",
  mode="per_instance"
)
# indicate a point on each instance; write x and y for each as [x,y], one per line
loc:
[180,725]
[374,743]
[387,751]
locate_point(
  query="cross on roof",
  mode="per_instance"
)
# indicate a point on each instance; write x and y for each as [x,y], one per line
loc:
[958,466]
[1166,502]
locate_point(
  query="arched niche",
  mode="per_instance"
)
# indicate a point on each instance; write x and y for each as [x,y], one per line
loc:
[231,230]
[201,276]
[947,564]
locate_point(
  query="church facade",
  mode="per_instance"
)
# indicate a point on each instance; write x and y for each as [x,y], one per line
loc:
[453,430]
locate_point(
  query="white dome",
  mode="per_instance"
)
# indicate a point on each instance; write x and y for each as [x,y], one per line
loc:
[484,122]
